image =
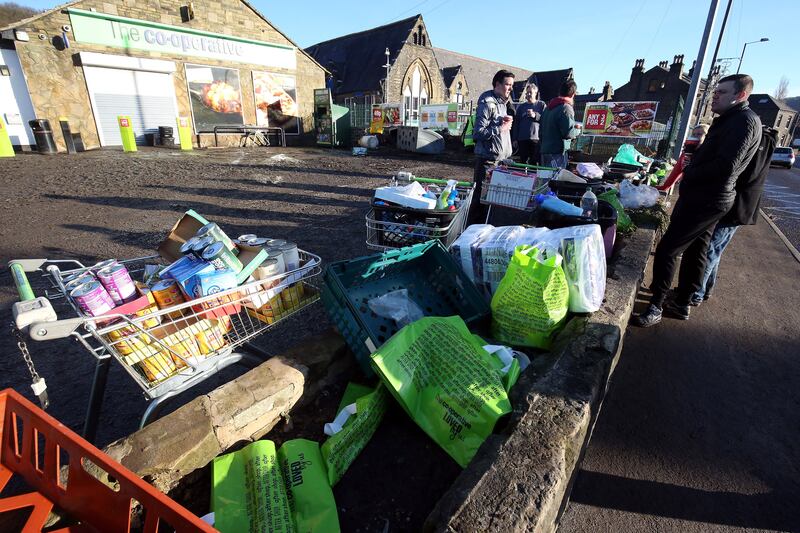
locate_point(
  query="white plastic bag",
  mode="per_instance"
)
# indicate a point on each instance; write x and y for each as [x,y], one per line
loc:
[590,170]
[397,306]
[494,254]
[584,265]
[465,249]
[635,196]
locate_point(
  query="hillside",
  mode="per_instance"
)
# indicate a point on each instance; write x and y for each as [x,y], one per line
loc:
[11,12]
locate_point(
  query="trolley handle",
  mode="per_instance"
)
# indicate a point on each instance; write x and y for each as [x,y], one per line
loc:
[21,280]
[436,181]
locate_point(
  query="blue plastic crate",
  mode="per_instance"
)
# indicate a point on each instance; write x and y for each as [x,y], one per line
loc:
[433,279]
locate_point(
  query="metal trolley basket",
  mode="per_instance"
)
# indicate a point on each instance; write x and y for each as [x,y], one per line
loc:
[519,196]
[166,351]
[397,227]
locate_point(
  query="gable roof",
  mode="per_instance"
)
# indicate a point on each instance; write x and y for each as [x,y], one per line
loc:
[478,72]
[61,7]
[357,59]
[449,74]
[549,82]
[764,100]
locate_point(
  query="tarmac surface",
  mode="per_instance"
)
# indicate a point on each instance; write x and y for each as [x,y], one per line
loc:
[781,201]
[700,430]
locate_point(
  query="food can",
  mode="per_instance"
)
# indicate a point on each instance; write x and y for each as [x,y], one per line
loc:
[74,281]
[213,230]
[275,242]
[272,311]
[92,298]
[157,366]
[184,350]
[117,281]
[210,339]
[222,258]
[150,321]
[254,245]
[103,264]
[247,237]
[167,293]
[291,257]
[187,248]
[200,244]
[292,296]
[267,269]
[277,254]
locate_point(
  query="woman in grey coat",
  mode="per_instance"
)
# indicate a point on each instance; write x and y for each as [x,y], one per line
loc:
[525,130]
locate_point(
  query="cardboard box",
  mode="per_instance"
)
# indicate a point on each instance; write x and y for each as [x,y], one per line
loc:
[182,231]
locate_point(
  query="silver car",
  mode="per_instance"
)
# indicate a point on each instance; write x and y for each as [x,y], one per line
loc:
[784,156]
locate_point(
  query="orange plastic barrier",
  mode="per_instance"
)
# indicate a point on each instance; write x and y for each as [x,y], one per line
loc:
[33,445]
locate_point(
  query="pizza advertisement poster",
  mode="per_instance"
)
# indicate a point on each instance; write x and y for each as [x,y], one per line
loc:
[276,101]
[619,119]
[215,96]
[385,116]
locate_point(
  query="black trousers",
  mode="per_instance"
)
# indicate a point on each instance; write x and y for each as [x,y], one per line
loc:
[689,232]
[477,210]
[528,151]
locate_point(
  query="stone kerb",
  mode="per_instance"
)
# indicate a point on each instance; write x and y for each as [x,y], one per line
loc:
[521,478]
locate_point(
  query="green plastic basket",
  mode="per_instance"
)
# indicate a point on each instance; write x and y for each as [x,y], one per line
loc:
[434,282]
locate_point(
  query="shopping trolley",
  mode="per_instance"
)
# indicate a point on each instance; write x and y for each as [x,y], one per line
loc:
[391,227]
[166,351]
[514,186]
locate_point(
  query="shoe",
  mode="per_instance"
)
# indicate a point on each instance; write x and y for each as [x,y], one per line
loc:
[694,302]
[676,310]
[650,317]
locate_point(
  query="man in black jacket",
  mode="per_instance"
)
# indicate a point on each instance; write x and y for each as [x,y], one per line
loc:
[744,212]
[707,193]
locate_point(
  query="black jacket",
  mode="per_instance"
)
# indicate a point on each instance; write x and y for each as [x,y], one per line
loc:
[728,148]
[750,184]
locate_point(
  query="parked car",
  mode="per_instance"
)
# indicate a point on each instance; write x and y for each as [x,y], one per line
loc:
[783,155]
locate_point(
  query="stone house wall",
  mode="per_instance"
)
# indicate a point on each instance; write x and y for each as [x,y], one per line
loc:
[58,87]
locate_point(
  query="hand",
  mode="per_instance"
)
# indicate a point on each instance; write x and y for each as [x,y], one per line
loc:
[531,113]
[506,124]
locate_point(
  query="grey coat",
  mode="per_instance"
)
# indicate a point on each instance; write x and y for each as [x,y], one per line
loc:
[490,142]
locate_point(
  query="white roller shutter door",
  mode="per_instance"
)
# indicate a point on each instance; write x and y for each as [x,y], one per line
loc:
[147,97]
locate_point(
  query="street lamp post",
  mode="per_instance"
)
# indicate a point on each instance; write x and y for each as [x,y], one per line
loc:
[741,57]
[386,81]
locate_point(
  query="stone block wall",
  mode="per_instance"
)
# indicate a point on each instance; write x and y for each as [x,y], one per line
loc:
[58,87]
[407,56]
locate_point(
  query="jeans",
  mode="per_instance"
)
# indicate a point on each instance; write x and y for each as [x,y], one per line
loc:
[477,210]
[554,160]
[689,232]
[719,241]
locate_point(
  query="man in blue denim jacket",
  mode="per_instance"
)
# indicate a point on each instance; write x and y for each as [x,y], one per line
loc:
[492,135]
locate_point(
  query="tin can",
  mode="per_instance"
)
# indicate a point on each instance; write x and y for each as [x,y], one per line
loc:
[92,298]
[200,244]
[222,258]
[247,237]
[187,248]
[269,268]
[291,257]
[275,242]
[167,293]
[185,350]
[74,281]
[103,264]
[277,254]
[292,296]
[118,283]
[150,321]
[254,245]
[157,366]
[214,231]
[210,339]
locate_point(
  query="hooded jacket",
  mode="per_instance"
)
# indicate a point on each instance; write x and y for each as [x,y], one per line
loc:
[490,141]
[731,142]
[750,184]
[557,127]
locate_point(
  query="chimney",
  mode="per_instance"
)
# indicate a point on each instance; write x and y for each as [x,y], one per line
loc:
[676,69]
[638,69]
[663,64]
[591,90]
[691,70]
[608,92]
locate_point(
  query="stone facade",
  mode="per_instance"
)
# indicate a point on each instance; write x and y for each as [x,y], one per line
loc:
[58,87]
[451,92]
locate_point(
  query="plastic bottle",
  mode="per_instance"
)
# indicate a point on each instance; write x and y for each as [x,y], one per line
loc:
[557,205]
[445,196]
[589,204]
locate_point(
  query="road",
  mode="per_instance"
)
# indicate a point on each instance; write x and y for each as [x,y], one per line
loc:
[781,201]
[700,430]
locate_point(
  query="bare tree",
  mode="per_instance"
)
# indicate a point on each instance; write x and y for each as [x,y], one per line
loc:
[11,12]
[782,91]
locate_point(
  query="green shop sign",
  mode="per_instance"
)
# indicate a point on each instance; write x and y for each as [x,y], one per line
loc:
[133,34]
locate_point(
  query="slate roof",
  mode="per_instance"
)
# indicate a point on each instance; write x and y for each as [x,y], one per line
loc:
[449,74]
[757,101]
[549,82]
[357,59]
[478,72]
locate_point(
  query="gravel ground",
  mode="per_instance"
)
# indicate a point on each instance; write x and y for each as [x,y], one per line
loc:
[103,204]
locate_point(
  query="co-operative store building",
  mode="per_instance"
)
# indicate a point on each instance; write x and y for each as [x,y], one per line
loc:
[218,62]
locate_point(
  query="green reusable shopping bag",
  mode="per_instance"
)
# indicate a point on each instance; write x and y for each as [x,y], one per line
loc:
[353,432]
[445,381]
[530,304]
[624,222]
[307,488]
[248,492]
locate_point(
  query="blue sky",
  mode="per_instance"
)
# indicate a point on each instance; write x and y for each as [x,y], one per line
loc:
[599,43]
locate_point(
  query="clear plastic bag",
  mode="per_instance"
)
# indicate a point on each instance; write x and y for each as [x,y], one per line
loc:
[635,196]
[397,306]
[584,265]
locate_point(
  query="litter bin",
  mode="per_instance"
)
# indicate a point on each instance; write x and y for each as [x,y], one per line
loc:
[43,133]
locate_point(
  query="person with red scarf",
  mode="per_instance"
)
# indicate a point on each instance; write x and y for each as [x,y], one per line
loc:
[557,127]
